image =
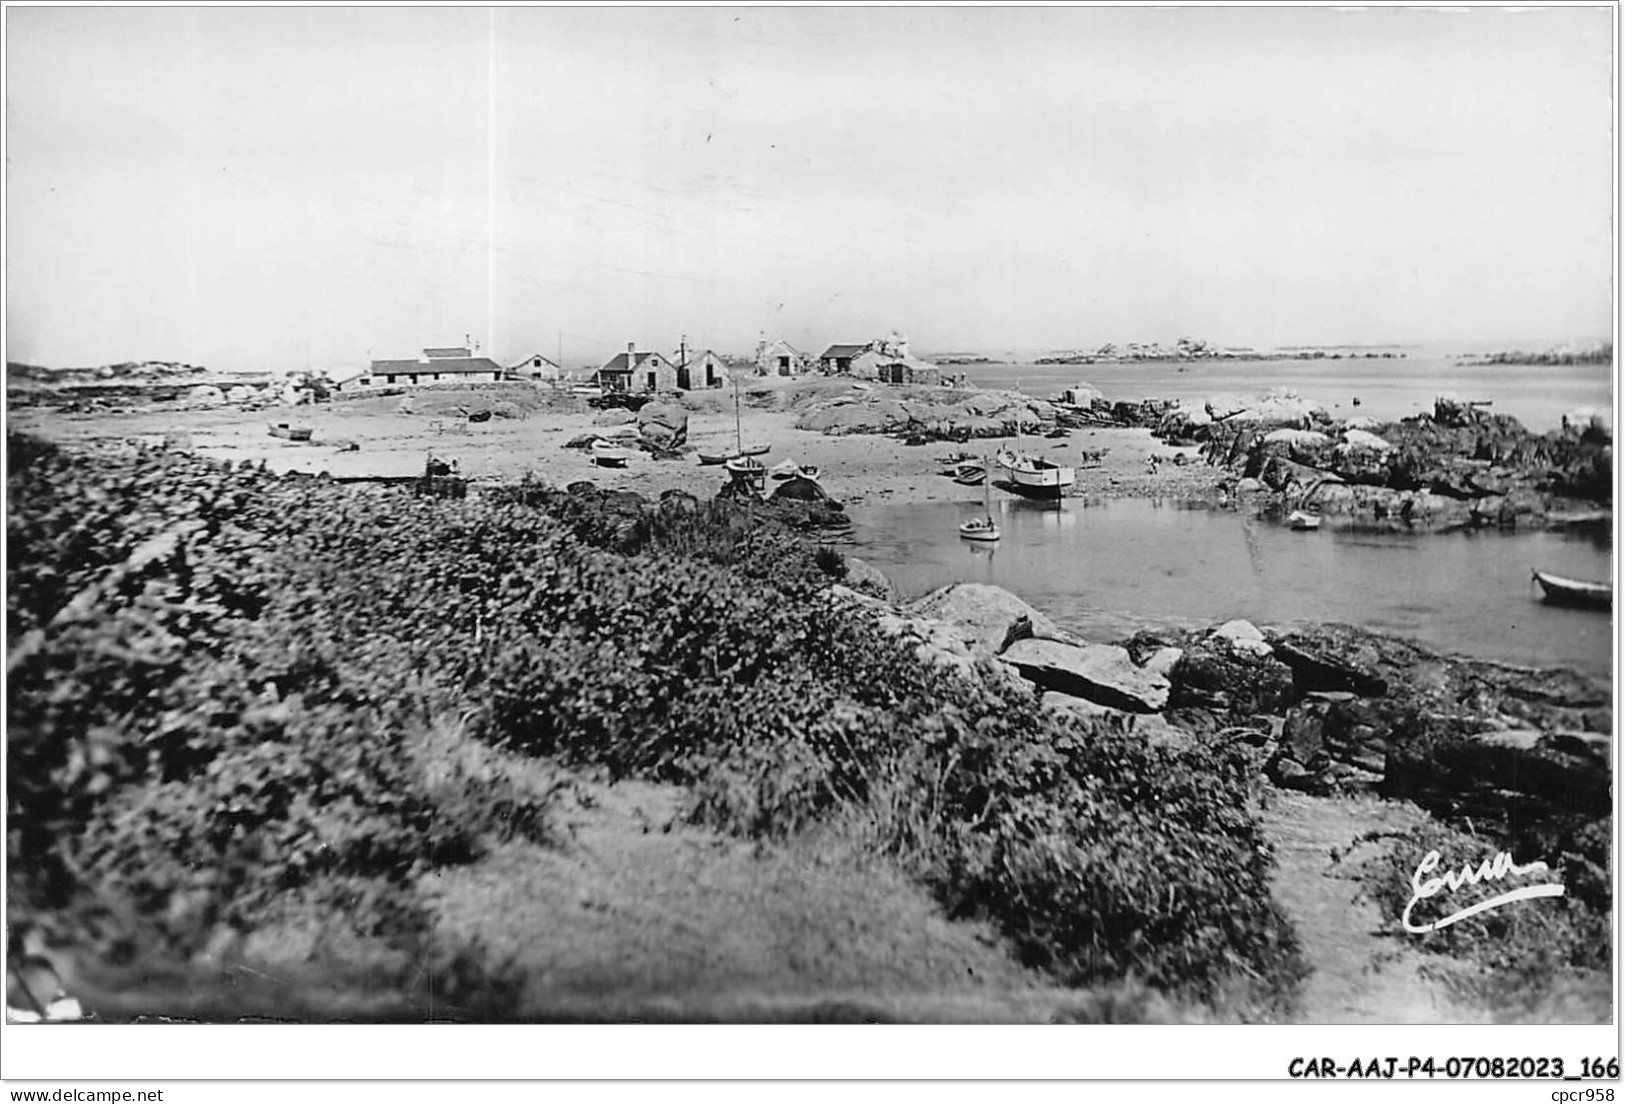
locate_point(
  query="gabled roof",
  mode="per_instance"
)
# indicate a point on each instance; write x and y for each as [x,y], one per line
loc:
[525,362]
[617,363]
[843,351]
[693,355]
[459,352]
[395,367]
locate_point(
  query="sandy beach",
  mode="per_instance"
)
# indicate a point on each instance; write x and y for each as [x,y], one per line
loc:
[853,468]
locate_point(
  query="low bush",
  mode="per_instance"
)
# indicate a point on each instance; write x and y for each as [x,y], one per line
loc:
[244,716]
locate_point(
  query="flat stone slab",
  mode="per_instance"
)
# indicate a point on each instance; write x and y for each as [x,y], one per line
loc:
[1102,673]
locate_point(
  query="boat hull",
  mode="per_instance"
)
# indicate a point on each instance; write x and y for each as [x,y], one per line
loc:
[1576,593]
[1033,478]
[973,532]
[610,456]
[746,470]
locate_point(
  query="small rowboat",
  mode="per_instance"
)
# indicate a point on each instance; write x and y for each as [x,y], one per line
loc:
[755,450]
[717,457]
[1574,592]
[1301,521]
[606,455]
[979,529]
[970,475]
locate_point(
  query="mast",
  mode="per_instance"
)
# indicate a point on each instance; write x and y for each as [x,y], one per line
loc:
[987,487]
[739,434]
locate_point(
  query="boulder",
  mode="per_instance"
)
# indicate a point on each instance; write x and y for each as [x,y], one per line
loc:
[1162,661]
[801,489]
[1082,394]
[1102,673]
[663,426]
[1340,657]
[866,577]
[987,617]
[205,395]
[1243,636]
[1238,680]
[934,642]
[1355,440]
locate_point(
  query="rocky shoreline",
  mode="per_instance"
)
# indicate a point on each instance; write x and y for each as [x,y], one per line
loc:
[1330,709]
[1458,467]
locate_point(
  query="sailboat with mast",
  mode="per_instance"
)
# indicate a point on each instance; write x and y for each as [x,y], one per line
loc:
[983,528]
[740,449]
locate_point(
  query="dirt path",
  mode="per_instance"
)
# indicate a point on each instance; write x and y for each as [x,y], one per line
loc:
[1361,974]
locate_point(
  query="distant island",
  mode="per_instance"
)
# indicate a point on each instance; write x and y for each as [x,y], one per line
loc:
[1562,355]
[1189,349]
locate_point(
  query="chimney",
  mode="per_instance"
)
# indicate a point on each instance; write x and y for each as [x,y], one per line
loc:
[631,355]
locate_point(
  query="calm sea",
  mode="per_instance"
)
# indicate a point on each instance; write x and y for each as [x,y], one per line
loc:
[1538,396]
[1105,569]
[1108,568]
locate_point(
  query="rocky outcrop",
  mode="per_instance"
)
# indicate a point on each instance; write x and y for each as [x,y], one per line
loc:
[925,415]
[1458,467]
[663,427]
[1519,774]
[934,642]
[1101,673]
[1231,671]
[987,616]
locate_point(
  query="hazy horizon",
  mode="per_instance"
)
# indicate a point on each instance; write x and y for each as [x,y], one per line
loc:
[280,188]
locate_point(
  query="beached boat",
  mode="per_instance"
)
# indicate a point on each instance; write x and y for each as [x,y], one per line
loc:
[740,449]
[606,455]
[747,469]
[1302,521]
[1560,591]
[291,431]
[1033,476]
[970,475]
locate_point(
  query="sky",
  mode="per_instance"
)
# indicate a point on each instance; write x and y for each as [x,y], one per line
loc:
[278,188]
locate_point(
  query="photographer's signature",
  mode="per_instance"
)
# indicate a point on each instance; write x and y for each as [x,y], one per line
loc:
[1490,870]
